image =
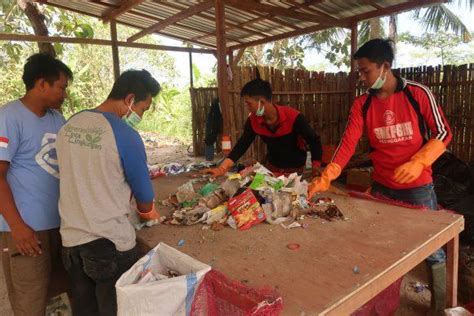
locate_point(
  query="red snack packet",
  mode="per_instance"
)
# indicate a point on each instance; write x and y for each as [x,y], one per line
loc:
[246,210]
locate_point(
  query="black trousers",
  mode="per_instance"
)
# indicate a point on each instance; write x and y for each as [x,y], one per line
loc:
[94,268]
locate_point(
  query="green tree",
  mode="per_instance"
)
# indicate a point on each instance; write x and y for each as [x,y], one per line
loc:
[253,56]
[92,66]
[287,53]
[442,42]
[14,54]
[204,79]
[335,43]
[439,17]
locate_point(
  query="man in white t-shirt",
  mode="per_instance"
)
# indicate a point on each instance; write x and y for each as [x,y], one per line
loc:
[103,162]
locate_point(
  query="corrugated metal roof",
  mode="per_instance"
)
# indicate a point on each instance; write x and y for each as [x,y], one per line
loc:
[247,22]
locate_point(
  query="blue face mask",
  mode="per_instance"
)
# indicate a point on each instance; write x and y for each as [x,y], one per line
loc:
[261,109]
[379,82]
[132,119]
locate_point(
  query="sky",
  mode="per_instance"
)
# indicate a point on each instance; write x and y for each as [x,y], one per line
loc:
[404,58]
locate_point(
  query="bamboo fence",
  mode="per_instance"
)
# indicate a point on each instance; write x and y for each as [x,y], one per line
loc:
[324,99]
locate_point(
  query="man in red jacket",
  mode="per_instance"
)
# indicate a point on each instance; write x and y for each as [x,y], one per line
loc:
[283,129]
[407,132]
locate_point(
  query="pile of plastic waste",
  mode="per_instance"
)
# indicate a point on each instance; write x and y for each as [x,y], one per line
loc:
[247,198]
[161,170]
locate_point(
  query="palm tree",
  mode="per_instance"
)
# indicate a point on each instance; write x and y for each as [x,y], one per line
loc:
[434,18]
[440,16]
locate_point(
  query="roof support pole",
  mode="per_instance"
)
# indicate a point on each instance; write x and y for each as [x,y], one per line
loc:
[191,75]
[222,65]
[353,73]
[115,51]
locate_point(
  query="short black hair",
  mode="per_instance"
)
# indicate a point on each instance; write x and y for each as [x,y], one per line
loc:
[377,51]
[43,66]
[257,87]
[138,82]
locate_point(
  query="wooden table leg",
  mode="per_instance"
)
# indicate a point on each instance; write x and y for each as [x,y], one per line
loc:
[452,272]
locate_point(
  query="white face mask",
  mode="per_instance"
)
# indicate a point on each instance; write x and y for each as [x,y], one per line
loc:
[261,109]
[379,82]
[132,119]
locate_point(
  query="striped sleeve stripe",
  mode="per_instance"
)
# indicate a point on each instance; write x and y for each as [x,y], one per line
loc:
[442,131]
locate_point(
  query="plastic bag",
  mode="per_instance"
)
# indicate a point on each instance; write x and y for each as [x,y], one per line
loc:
[168,295]
[246,210]
[448,191]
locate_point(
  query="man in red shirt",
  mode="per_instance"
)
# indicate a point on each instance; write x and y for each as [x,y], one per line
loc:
[407,132]
[283,129]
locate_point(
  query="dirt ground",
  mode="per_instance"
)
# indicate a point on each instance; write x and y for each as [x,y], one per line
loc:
[411,302]
[5,309]
[163,150]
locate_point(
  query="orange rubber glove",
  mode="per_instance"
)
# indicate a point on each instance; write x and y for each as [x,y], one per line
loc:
[320,184]
[221,170]
[150,215]
[411,170]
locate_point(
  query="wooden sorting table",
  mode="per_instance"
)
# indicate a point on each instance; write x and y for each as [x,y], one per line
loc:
[383,241]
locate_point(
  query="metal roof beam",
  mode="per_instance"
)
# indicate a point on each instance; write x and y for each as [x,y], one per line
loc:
[74,40]
[394,9]
[323,17]
[125,6]
[247,5]
[210,17]
[203,6]
[310,29]
[347,21]
[239,26]
[125,23]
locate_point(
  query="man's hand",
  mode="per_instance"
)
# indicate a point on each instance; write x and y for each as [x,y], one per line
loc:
[24,238]
[26,241]
[408,172]
[425,157]
[322,183]
[319,184]
[148,215]
[221,170]
[215,172]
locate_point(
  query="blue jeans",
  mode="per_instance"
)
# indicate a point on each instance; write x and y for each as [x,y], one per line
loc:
[420,196]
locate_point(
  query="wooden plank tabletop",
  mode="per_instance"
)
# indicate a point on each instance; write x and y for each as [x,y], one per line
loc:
[383,241]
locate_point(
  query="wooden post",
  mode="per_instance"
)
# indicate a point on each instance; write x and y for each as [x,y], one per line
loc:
[452,272]
[353,74]
[115,52]
[221,65]
[231,59]
[191,75]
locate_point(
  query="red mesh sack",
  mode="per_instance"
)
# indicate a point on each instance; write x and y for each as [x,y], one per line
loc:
[217,295]
[383,304]
[470,307]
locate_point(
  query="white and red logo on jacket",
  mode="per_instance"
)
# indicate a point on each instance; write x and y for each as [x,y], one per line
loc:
[391,132]
[4,142]
[389,117]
